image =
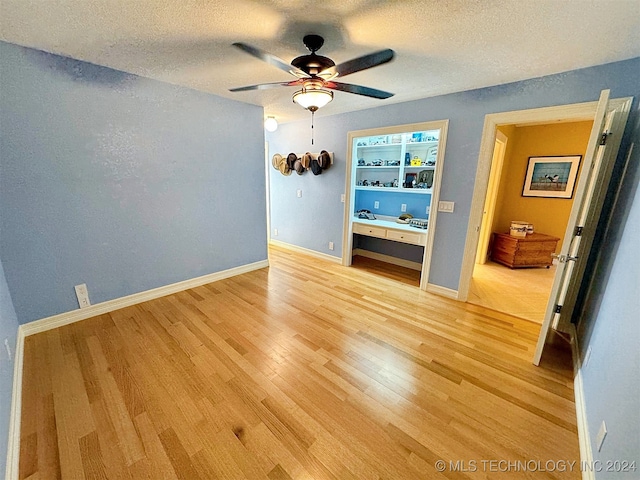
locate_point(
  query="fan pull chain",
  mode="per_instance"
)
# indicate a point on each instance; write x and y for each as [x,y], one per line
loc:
[312,116]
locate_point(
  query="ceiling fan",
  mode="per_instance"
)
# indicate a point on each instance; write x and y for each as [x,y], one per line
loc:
[316,73]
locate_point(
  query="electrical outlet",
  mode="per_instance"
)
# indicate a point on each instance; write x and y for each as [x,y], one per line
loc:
[299,193]
[602,433]
[403,207]
[330,245]
[342,197]
[376,204]
[428,208]
[8,347]
[275,232]
[83,296]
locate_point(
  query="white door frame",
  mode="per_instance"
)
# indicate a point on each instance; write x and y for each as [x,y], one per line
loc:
[267,175]
[562,113]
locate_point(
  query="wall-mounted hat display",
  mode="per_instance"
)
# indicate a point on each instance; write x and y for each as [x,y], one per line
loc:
[300,163]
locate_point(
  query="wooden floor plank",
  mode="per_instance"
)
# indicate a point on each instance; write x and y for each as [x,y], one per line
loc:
[306,369]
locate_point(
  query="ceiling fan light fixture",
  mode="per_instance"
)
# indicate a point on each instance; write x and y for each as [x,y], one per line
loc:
[313,99]
[271,124]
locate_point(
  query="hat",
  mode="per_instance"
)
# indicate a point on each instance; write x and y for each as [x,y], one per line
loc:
[404,218]
[291,159]
[324,159]
[284,168]
[306,160]
[316,169]
[275,161]
[297,166]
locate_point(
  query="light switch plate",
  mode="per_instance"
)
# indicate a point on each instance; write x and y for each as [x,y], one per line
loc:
[446,206]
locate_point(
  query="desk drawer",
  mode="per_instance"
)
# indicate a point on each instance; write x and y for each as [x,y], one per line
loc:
[370,231]
[406,237]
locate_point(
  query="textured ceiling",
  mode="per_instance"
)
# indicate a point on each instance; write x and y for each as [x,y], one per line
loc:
[441,46]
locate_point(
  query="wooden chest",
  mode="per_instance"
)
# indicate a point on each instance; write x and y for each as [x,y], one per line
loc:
[534,250]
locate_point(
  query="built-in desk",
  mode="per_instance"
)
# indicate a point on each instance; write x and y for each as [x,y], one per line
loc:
[389,229]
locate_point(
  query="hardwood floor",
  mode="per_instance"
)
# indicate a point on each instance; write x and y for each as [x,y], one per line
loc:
[387,270]
[304,370]
[521,292]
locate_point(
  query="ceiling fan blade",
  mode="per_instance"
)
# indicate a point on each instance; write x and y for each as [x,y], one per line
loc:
[264,86]
[270,59]
[358,90]
[362,63]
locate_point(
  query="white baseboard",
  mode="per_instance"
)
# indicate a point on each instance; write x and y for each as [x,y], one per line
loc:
[13,445]
[306,251]
[66,318]
[442,291]
[586,454]
[401,262]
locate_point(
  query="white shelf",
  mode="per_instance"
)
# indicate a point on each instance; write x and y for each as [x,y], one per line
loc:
[421,167]
[396,189]
[380,167]
[381,145]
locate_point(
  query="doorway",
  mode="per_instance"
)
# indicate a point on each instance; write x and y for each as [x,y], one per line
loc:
[609,119]
[523,292]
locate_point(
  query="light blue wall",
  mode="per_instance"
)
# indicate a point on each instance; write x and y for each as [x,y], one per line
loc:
[8,330]
[120,182]
[317,218]
[610,327]
[390,203]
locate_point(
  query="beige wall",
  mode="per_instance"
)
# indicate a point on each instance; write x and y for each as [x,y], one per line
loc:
[548,215]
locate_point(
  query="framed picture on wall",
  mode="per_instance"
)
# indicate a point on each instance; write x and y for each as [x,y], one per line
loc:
[551,177]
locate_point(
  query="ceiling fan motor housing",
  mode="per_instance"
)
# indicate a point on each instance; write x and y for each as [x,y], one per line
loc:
[312,64]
